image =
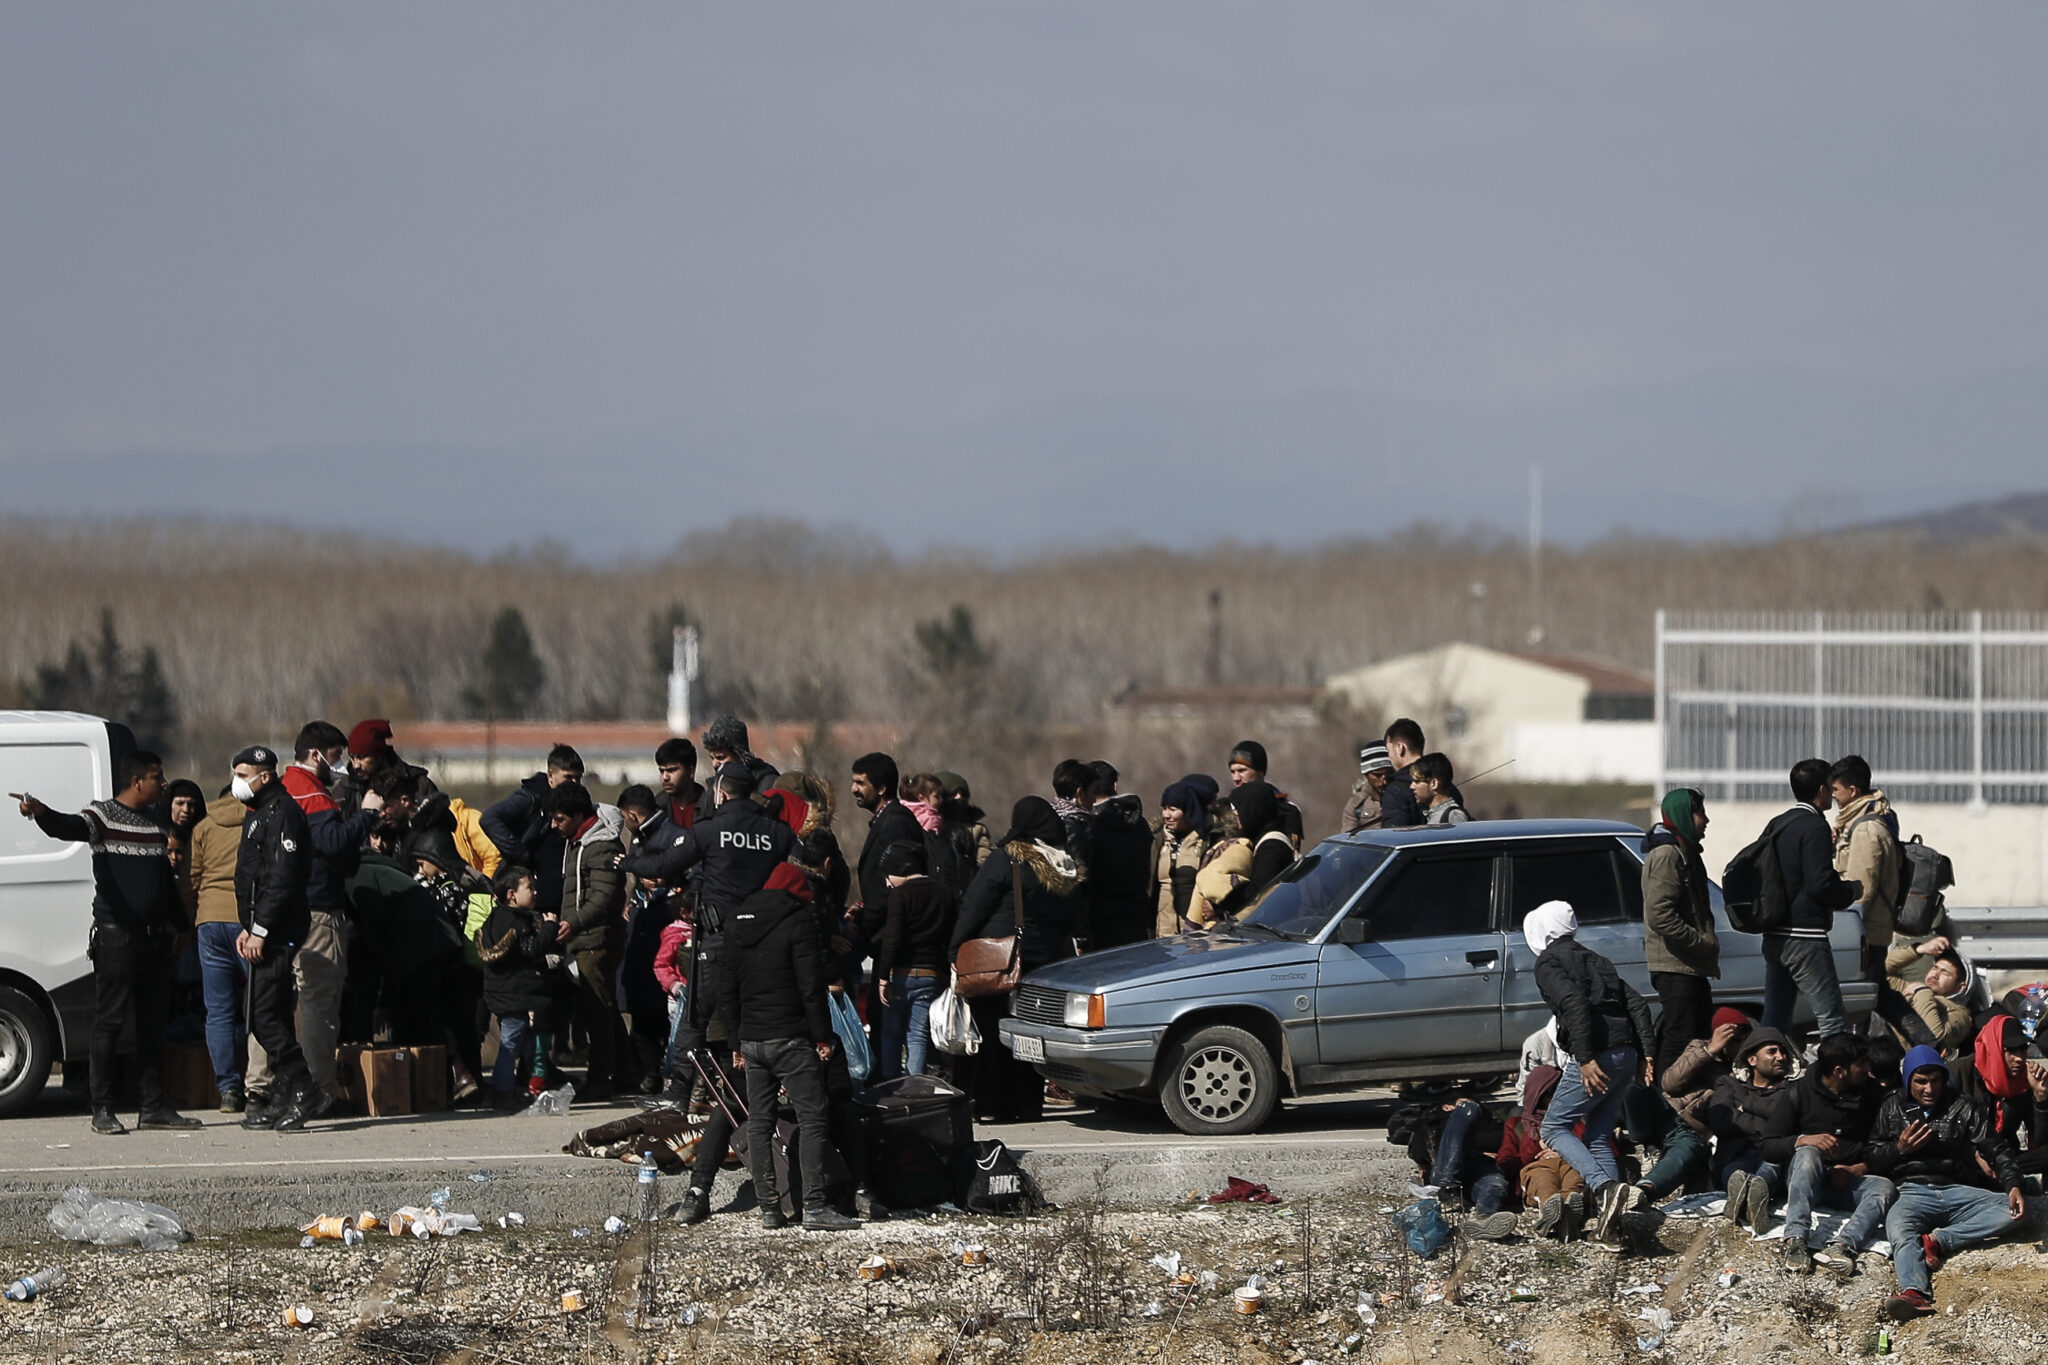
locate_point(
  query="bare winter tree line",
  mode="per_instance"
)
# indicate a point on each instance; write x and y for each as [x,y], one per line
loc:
[257,625]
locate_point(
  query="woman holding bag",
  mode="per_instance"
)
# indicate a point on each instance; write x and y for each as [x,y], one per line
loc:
[1025,891]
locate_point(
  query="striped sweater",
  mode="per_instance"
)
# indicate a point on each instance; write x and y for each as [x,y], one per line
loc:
[131,865]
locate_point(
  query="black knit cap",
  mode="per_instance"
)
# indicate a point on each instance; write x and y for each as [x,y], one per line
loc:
[903,859]
[1251,753]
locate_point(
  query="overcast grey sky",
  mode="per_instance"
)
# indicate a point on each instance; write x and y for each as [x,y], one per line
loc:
[1024,274]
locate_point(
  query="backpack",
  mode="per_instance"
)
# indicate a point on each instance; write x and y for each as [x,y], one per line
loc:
[997,1184]
[943,863]
[1753,886]
[1924,873]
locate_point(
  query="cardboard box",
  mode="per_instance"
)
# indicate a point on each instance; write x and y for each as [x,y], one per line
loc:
[387,1081]
[429,1079]
[348,1076]
[188,1077]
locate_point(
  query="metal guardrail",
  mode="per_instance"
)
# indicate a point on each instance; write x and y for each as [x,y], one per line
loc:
[2003,938]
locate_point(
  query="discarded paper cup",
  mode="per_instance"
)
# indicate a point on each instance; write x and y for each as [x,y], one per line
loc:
[298,1315]
[328,1229]
[877,1268]
[1248,1301]
[1185,1280]
[974,1255]
[1727,1278]
[573,1301]
[368,1222]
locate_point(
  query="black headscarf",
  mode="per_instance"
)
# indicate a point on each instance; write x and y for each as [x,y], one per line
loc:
[1258,808]
[1033,818]
[185,786]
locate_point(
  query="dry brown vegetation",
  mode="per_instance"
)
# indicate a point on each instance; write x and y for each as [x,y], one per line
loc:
[260,626]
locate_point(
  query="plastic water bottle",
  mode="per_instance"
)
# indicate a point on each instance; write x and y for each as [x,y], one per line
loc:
[647,1199]
[42,1282]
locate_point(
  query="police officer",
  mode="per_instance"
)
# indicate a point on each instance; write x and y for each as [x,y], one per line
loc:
[729,854]
[270,892]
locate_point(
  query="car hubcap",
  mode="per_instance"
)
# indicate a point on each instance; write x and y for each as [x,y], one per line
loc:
[1217,1084]
[13,1051]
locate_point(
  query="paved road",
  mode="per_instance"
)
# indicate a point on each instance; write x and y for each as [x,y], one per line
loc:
[220,1177]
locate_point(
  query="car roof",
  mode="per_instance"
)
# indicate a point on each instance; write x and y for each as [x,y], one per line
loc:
[1482,831]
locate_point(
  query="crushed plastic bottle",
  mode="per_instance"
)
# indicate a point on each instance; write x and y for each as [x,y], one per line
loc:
[82,1216]
[647,1193]
[479,1177]
[551,1104]
[687,1317]
[42,1282]
[615,1225]
[1367,1314]
[439,1198]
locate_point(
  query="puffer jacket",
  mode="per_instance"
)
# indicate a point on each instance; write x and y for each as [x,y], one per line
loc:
[1962,1132]
[471,842]
[773,985]
[1867,852]
[1596,1010]
[216,848]
[1678,917]
[1051,909]
[593,890]
[1688,1083]
[513,946]
[1224,869]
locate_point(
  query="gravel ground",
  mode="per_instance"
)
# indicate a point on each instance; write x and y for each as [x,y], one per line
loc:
[1069,1286]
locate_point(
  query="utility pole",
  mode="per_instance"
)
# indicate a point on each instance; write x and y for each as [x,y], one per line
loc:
[1535,554]
[1215,637]
[682,672]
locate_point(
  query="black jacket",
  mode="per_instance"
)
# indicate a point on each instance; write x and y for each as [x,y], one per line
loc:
[773,985]
[764,773]
[519,826]
[1809,1108]
[1806,858]
[400,924]
[1051,908]
[919,927]
[1118,889]
[1741,1115]
[1596,1010]
[1398,806]
[1962,1130]
[892,824]
[514,946]
[274,867]
[738,845]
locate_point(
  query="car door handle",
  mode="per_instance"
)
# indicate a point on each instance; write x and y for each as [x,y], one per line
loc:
[1483,957]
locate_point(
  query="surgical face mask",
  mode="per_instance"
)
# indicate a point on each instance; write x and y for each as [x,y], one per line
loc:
[241,790]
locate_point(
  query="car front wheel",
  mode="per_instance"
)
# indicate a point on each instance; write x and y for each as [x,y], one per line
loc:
[1220,1080]
[27,1049]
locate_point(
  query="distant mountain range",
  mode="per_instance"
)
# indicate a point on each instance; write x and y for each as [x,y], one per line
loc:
[2016,516]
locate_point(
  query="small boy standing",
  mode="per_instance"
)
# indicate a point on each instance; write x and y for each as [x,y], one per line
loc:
[516,945]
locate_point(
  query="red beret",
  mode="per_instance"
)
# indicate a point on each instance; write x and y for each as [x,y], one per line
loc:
[370,737]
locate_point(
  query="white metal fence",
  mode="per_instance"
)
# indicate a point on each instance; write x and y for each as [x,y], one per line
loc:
[1950,707]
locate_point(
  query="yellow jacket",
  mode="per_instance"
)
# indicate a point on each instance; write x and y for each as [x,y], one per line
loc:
[471,842]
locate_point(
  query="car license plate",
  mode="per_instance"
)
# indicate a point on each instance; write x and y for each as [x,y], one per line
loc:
[1026,1048]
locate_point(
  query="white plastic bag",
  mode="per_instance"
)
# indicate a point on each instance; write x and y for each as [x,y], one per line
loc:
[550,1104]
[82,1216]
[952,1025]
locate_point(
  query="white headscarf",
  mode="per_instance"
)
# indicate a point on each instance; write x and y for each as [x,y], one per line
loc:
[1548,923]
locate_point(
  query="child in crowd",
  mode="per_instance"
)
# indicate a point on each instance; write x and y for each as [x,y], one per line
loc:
[516,947]
[672,974]
[1549,1184]
[921,794]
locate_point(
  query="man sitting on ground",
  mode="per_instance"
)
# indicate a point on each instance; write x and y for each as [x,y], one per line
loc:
[1818,1139]
[1741,1114]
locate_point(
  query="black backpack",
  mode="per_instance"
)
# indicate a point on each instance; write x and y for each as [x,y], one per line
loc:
[997,1184]
[1753,886]
[943,863]
[1923,873]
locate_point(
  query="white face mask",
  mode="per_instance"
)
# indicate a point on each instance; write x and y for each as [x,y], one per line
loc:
[241,790]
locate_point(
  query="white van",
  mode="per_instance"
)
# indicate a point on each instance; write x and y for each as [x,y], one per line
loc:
[65,760]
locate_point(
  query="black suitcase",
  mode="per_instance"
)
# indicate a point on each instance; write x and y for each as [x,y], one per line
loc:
[920,1137]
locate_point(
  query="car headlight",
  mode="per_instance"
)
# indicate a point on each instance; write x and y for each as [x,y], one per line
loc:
[1084,1011]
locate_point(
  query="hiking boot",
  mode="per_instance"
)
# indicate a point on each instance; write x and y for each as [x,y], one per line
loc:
[103,1121]
[772,1217]
[1930,1251]
[1491,1227]
[232,1100]
[166,1118]
[824,1218]
[695,1207]
[1756,1205]
[1908,1304]
[1797,1259]
[1837,1260]
[1550,1217]
[1738,1186]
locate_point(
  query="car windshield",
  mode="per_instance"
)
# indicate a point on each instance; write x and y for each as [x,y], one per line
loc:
[1308,895]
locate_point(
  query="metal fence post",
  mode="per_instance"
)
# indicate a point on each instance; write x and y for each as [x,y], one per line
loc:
[1657,713]
[1820,660]
[1976,710]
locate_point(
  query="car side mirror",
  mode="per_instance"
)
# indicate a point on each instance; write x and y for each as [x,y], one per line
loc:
[1353,931]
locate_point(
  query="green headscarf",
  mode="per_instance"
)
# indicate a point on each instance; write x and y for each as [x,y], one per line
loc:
[1680,804]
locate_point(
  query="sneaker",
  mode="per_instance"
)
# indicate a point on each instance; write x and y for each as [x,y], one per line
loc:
[1756,1206]
[695,1207]
[1797,1259]
[1550,1217]
[1930,1250]
[536,1085]
[826,1219]
[233,1101]
[865,1205]
[1738,1186]
[1057,1098]
[1908,1304]
[1574,1214]
[166,1118]
[1837,1260]
[103,1121]
[772,1217]
[1491,1227]
[1608,1203]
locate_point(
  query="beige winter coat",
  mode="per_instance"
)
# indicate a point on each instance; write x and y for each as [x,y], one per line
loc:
[1868,853]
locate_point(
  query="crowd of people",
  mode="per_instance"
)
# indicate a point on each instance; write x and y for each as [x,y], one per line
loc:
[1928,1129]
[698,939]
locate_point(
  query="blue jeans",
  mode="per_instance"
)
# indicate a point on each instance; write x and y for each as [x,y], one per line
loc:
[222,981]
[1652,1122]
[1594,1158]
[514,1037]
[1752,1161]
[1802,966]
[678,1011]
[1806,1184]
[906,1021]
[1959,1216]
[1457,1166]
